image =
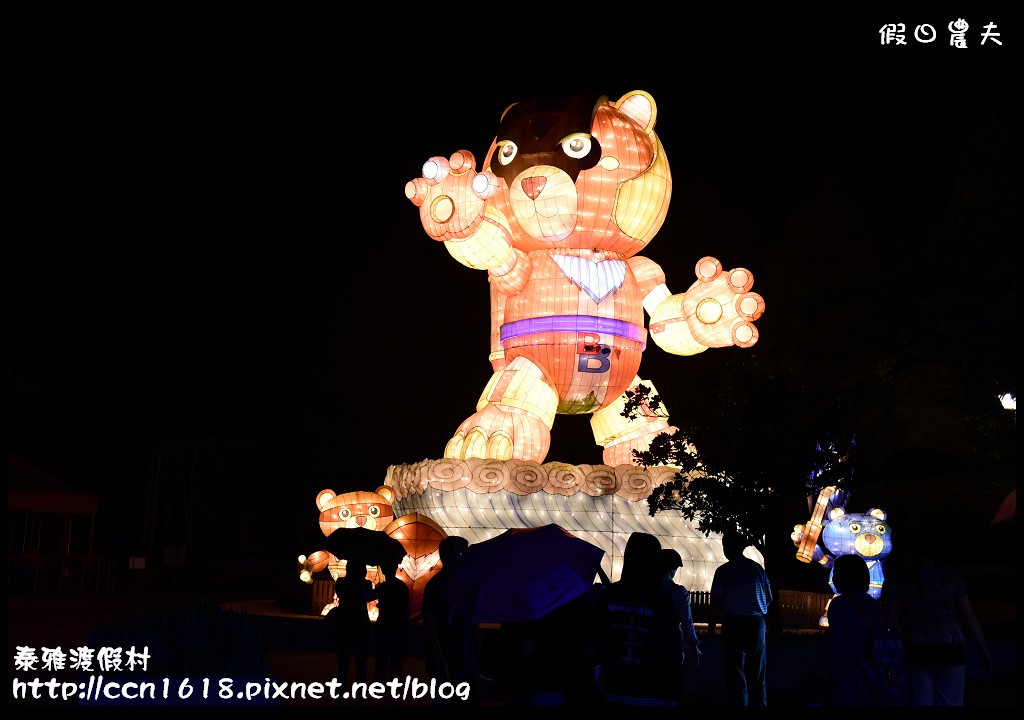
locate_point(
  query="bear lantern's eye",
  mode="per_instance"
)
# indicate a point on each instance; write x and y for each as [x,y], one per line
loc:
[576,145]
[880,529]
[344,513]
[374,511]
[855,527]
[507,151]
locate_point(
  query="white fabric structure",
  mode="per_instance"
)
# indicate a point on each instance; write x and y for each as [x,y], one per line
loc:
[480,498]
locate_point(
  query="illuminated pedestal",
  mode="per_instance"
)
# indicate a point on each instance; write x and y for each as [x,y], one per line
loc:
[479,499]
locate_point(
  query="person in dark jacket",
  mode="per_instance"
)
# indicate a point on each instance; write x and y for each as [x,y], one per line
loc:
[641,648]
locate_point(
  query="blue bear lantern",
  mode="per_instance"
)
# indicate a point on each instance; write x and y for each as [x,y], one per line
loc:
[864,534]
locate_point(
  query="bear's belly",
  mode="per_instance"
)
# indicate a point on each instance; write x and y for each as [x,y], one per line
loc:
[587,370]
[581,322]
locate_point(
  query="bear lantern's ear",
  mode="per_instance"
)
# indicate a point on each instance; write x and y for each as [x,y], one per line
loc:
[875,512]
[640,107]
[324,497]
[836,513]
[386,492]
[505,111]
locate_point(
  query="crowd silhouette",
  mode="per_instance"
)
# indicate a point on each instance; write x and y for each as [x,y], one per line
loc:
[626,643]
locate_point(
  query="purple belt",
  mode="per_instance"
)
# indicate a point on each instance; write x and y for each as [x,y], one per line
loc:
[575,324]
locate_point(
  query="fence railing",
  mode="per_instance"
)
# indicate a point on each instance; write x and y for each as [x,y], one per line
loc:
[797,609]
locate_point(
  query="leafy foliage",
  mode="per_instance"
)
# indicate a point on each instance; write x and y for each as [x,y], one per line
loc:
[713,498]
[746,487]
[832,467]
[716,499]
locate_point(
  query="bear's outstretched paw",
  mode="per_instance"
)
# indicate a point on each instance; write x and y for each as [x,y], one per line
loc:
[451,195]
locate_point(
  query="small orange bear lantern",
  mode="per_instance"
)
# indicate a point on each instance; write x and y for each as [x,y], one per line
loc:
[417,534]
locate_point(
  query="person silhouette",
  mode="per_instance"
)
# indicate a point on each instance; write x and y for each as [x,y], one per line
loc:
[641,643]
[391,629]
[349,622]
[850,614]
[671,562]
[740,596]
[449,636]
[927,600]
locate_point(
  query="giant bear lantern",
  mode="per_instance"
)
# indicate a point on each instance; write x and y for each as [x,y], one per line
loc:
[570,191]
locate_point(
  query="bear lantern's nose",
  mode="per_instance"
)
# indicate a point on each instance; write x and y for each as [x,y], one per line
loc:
[533,186]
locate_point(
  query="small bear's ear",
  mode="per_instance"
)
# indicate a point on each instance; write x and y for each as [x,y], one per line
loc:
[323,497]
[640,107]
[505,111]
[386,492]
[875,512]
[836,513]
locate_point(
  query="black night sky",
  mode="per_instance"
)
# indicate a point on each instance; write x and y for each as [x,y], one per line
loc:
[211,239]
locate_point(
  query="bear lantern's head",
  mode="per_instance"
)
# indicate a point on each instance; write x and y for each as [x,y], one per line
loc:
[864,534]
[371,510]
[558,158]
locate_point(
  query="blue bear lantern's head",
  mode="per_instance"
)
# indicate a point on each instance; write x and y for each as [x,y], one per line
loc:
[864,534]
